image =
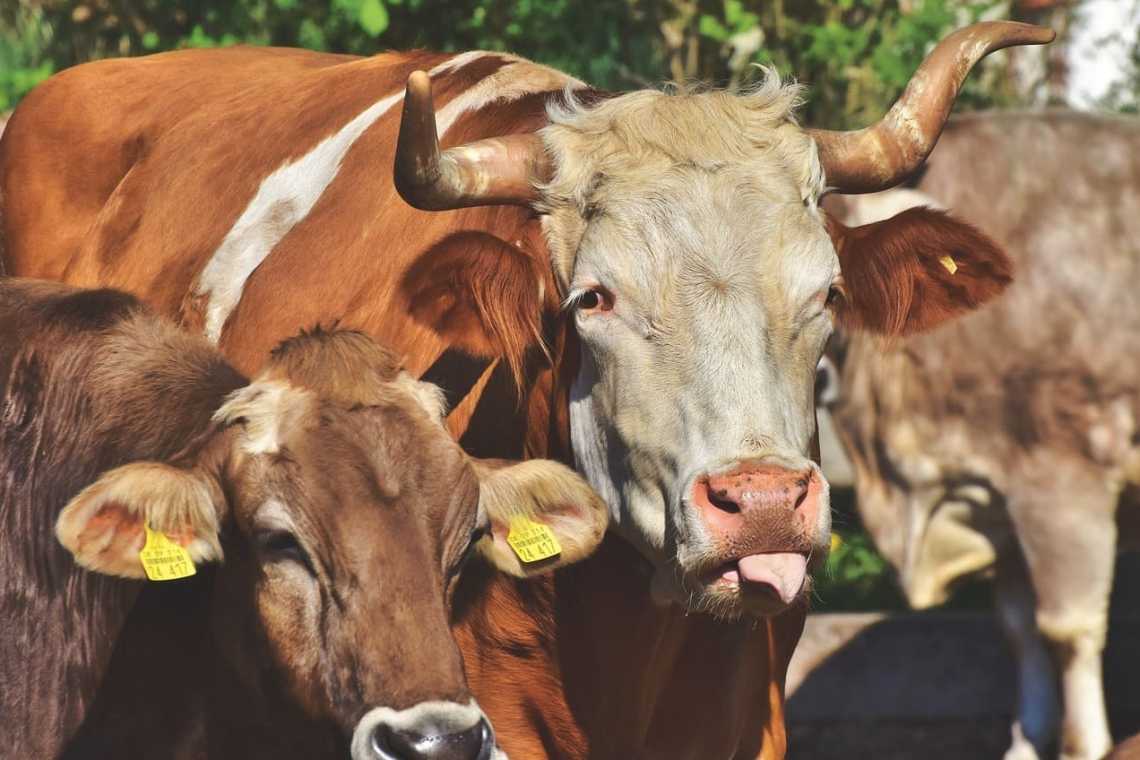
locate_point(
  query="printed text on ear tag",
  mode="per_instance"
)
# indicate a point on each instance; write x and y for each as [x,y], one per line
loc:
[532,541]
[163,559]
[949,263]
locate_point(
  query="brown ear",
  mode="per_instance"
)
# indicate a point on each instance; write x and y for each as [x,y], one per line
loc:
[102,527]
[915,271]
[542,493]
[480,293]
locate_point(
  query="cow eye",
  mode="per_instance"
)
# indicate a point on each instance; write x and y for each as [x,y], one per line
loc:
[834,296]
[477,533]
[282,546]
[594,300]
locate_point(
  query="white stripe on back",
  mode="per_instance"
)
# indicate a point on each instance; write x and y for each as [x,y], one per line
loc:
[286,196]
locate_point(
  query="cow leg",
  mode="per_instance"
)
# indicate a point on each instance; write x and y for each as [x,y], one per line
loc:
[1035,726]
[1085,733]
[1065,521]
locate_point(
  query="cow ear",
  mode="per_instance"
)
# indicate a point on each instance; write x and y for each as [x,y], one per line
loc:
[103,526]
[542,515]
[915,270]
[481,294]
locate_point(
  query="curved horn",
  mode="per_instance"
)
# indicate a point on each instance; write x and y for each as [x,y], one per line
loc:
[882,155]
[498,170]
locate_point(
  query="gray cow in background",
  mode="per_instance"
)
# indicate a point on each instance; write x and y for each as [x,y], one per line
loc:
[1008,442]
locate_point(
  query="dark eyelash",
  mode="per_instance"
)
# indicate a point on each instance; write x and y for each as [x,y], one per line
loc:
[283,545]
[590,299]
[592,296]
[476,535]
[571,303]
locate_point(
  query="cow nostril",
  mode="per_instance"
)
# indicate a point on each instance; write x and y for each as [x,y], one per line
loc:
[721,501]
[474,743]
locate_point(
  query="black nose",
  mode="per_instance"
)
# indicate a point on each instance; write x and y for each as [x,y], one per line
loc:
[473,743]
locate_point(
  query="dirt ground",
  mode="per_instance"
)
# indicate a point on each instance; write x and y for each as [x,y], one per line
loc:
[933,686]
[899,740]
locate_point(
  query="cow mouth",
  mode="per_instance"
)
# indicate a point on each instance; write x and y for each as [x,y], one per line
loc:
[761,582]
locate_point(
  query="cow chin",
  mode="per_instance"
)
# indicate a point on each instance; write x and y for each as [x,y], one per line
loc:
[729,600]
[714,588]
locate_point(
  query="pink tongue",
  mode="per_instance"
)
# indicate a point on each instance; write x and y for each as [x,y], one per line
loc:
[784,572]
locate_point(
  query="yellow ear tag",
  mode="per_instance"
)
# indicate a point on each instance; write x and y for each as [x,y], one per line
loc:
[532,541]
[950,264]
[163,559]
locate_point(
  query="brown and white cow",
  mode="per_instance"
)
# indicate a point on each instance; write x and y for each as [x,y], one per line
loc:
[1007,442]
[650,270]
[341,505]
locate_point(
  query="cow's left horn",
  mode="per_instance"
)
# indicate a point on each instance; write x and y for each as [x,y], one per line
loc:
[884,154]
[495,171]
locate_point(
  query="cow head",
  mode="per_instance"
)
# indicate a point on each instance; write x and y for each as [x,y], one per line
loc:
[704,280]
[344,511]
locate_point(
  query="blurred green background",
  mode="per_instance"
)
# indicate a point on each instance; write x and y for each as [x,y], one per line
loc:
[855,55]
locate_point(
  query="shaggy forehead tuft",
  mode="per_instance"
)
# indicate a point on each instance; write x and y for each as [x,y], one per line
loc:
[632,137]
[344,366]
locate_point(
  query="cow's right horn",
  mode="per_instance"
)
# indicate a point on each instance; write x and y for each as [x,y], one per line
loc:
[494,171]
[884,154]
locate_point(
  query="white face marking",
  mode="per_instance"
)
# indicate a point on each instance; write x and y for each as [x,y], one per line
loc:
[286,196]
[274,515]
[267,409]
[429,397]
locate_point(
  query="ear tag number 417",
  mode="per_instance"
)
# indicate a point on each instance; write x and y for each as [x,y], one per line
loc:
[163,559]
[532,541]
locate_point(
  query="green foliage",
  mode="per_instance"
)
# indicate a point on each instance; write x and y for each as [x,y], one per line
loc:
[22,66]
[604,41]
[856,577]
[856,54]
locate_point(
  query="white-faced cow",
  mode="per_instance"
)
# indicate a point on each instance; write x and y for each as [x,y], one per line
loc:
[650,271]
[1007,441]
[341,506]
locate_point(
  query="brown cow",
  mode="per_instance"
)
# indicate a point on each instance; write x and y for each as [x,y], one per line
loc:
[342,506]
[1007,443]
[665,251]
